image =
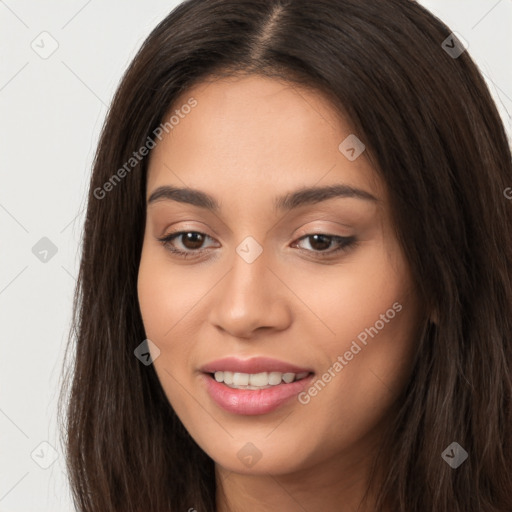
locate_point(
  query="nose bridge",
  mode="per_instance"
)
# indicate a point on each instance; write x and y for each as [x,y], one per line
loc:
[250,296]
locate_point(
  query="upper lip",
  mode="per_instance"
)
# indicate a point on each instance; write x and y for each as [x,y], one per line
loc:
[253,365]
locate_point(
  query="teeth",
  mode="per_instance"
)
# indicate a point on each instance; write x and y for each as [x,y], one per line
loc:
[258,379]
[288,377]
[274,378]
[241,379]
[261,380]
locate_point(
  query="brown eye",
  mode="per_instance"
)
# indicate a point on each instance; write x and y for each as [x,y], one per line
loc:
[185,243]
[321,244]
[192,240]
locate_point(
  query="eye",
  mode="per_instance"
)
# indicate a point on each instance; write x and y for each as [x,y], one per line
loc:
[321,243]
[191,242]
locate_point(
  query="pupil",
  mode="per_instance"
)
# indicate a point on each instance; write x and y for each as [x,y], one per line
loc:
[193,240]
[324,240]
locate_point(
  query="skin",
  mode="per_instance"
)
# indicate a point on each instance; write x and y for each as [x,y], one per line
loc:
[248,140]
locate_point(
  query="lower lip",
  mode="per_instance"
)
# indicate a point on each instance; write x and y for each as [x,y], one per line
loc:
[251,402]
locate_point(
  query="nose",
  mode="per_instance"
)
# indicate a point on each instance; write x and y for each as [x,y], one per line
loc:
[250,298]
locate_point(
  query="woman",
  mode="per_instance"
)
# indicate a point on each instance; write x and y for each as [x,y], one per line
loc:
[295,289]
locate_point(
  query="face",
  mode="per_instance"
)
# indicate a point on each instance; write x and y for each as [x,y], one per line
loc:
[271,280]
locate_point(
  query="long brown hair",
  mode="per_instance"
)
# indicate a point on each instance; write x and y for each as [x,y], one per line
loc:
[432,132]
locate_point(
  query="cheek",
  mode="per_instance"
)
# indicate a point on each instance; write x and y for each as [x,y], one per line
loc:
[362,381]
[369,316]
[163,304]
[374,315]
[356,294]
[167,294]
[155,297]
[171,299]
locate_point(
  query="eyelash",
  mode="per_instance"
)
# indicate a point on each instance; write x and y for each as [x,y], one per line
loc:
[344,244]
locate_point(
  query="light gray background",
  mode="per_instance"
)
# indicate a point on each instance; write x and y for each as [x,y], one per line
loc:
[51,114]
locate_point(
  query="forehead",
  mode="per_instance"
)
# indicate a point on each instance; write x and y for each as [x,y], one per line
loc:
[247,133]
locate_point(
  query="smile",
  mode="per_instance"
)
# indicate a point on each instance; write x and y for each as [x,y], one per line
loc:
[254,381]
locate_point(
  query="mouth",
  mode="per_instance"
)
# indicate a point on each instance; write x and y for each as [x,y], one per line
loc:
[254,393]
[258,385]
[256,381]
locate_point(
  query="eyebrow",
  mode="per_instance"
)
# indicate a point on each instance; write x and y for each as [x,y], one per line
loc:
[301,197]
